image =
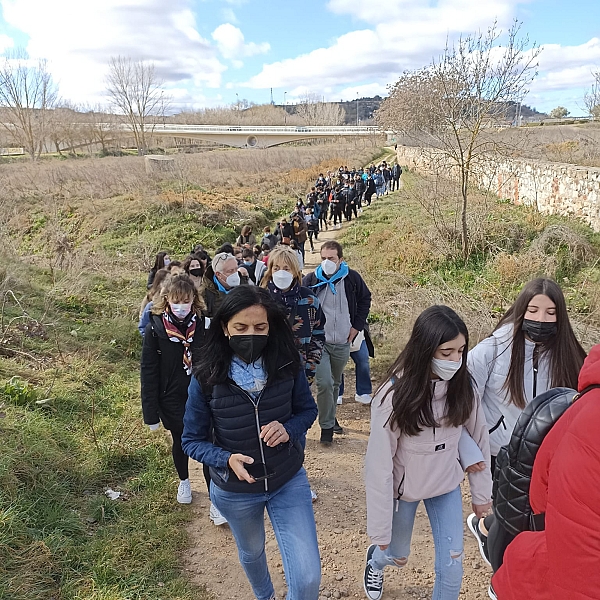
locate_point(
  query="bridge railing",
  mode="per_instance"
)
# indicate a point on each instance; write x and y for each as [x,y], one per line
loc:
[259,129]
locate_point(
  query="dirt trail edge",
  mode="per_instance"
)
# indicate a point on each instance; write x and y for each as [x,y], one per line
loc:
[336,474]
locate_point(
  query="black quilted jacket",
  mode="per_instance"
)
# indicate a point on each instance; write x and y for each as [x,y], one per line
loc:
[514,464]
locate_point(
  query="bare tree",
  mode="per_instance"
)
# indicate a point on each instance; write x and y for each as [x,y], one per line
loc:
[316,112]
[591,98]
[456,102]
[27,96]
[136,92]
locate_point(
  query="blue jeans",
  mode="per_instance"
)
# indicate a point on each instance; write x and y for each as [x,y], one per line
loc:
[291,513]
[362,370]
[446,518]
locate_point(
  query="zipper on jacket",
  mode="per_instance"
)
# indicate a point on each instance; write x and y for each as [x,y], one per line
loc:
[257,421]
[399,492]
[536,360]
[500,422]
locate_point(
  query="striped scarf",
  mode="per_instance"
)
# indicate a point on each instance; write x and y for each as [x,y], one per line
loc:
[175,335]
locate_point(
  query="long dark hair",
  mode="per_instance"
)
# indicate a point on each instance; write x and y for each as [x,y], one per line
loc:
[410,375]
[159,262]
[565,353]
[280,358]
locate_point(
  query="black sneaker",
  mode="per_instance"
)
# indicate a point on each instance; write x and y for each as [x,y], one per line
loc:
[492,593]
[337,428]
[327,436]
[373,579]
[473,525]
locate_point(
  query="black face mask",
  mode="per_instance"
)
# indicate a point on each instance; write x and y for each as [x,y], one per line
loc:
[539,331]
[196,272]
[248,347]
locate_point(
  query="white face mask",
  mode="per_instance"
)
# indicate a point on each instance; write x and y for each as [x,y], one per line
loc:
[233,280]
[283,279]
[167,262]
[329,267]
[445,369]
[181,311]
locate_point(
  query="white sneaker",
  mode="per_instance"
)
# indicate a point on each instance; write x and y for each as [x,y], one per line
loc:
[363,398]
[184,492]
[313,495]
[340,399]
[215,516]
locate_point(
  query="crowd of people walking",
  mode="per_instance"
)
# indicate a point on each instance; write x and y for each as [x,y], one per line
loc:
[233,344]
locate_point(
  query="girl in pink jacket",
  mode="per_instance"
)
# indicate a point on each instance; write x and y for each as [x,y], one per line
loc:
[417,419]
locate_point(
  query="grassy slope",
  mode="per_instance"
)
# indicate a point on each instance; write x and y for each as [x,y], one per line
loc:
[72,274]
[410,264]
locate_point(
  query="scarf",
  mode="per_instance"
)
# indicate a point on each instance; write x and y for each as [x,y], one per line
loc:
[252,377]
[175,335]
[220,286]
[289,298]
[337,276]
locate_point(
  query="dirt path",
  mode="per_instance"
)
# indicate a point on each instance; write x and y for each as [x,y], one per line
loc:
[335,473]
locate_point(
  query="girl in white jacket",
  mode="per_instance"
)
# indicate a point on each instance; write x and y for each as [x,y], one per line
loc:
[533,349]
[417,419]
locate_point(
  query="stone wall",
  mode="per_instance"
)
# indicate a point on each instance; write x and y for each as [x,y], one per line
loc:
[553,188]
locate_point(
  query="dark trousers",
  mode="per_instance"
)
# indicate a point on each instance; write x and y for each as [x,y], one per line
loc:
[181,461]
[337,214]
[396,184]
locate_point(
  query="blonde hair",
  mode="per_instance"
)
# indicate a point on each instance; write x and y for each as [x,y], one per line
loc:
[289,258]
[179,286]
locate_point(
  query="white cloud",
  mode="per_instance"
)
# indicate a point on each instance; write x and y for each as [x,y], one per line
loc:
[232,45]
[79,37]
[404,34]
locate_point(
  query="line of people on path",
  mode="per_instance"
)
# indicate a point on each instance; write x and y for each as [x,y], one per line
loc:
[227,367]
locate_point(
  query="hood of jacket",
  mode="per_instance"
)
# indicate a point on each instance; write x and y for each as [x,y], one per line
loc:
[590,372]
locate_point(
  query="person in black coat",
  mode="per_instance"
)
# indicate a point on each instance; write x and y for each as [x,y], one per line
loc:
[171,347]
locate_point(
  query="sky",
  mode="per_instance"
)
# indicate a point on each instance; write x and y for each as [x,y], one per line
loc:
[216,52]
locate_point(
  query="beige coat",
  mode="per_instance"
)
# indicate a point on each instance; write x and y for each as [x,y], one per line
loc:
[417,467]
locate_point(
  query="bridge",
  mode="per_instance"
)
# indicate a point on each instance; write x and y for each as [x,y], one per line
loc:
[255,137]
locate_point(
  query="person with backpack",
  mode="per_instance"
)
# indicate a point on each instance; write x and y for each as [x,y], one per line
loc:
[560,560]
[251,387]
[172,341]
[418,416]
[532,350]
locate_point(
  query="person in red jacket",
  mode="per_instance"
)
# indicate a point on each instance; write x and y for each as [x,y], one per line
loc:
[562,562]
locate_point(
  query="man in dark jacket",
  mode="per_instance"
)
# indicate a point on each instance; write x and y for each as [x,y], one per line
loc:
[345,301]
[396,172]
[220,277]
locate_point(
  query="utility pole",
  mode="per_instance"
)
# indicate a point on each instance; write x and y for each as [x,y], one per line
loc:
[238,107]
[285,108]
[357,109]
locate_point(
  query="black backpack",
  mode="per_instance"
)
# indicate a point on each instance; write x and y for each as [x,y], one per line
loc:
[514,463]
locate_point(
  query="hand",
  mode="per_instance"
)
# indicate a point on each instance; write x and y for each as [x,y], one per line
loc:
[476,467]
[482,510]
[242,271]
[237,462]
[154,427]
[273,434]
[383,548]
[353,334]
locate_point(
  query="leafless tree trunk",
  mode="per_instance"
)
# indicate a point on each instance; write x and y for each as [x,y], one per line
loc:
[27,96]
[136,92]
[455,103]
[591,98]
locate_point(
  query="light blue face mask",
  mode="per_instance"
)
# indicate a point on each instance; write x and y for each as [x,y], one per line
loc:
[248,262]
